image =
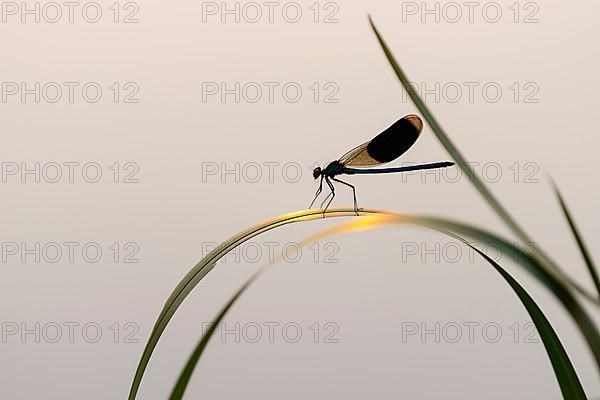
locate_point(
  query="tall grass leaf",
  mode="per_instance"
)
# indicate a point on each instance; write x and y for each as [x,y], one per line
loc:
[563,290]
[580,243]
[563,369]
[556,283]
[566,376]
[444,139]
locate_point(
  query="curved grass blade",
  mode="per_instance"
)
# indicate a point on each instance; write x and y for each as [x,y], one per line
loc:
[444,139]
[580,243]
[186,373]
[558,285]
[567,378]
[563,369]
[562,289]
[204,266]
[188,370]
[550,278]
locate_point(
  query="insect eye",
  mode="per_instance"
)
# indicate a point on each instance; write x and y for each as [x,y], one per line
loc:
[316,172]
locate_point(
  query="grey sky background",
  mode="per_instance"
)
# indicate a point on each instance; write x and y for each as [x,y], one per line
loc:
[163,137]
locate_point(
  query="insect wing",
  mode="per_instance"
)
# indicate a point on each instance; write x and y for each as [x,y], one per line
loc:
[358,157]
[387,146]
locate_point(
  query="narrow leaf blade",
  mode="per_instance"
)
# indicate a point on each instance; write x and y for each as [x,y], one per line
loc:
[580,243]
[566,376]
[445,139]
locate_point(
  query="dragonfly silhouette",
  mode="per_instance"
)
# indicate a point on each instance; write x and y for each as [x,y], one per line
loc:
[383,148]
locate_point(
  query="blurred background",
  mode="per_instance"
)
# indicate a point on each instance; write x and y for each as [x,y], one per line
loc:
[136,137]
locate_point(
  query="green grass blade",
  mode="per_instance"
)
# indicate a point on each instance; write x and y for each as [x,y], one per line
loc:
[446,142]
[565,373]
[582,247]
[203,267]
[444,139]
[186,373]
[550,278]
[561,289]
[566,376]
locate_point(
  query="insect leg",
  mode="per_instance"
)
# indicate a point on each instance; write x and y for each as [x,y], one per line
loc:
[328,194]
[319,190]
[325,199]
[332,195]
[353,193]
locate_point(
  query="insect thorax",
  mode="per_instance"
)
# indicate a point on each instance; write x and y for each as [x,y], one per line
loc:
[334,168]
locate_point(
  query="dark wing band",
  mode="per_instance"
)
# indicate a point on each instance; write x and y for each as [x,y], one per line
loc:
[387,146]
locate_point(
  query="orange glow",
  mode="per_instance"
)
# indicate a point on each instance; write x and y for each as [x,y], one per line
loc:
[357,224]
